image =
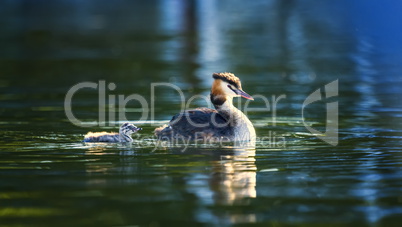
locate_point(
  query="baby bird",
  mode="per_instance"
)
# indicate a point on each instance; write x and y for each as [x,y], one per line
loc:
[123,136]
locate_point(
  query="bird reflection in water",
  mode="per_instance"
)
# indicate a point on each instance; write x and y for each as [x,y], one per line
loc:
[231,181]
[234,177]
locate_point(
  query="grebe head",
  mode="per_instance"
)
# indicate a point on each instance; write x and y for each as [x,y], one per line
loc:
[226,85]
[128,129]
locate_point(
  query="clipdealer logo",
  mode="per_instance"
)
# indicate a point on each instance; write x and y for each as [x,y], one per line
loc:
[330,135]
[115,105]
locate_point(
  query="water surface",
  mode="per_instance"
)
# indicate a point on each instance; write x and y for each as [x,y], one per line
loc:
[49,177]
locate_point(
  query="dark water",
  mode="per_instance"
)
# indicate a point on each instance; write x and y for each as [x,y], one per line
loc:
[285,49]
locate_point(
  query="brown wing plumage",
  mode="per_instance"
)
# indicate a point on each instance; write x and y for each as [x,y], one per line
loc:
[102,137]
[196,124]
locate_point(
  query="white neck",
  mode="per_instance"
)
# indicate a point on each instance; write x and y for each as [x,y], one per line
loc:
[125,137]
[243,128]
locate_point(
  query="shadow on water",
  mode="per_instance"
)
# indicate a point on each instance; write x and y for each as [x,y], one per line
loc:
[282,50]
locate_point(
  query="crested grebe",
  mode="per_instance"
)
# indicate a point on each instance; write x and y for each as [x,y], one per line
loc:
[123,136]
[226,122]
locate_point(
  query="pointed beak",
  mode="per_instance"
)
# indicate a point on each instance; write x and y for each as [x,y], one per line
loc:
[243,94]
[135,129]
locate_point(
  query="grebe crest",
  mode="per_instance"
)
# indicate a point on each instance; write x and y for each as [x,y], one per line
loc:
[123,136]
[225,122]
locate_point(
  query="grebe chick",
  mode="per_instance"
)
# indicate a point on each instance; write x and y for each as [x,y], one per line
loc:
[225,122]
[123,136]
